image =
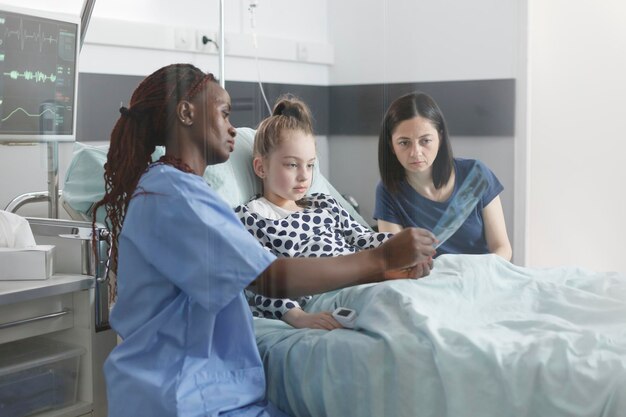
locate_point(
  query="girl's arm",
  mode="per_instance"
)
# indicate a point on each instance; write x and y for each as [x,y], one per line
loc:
[385,226]
[300,319]
[275,308]
[495,229]
[354,232]
[292,277]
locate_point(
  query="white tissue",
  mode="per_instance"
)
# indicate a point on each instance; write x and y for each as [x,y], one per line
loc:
[15,231]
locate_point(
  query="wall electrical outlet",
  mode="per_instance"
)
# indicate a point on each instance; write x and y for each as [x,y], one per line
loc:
[303,52]
[203,41]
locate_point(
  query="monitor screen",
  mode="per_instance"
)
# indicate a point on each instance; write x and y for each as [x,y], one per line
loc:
[38,76]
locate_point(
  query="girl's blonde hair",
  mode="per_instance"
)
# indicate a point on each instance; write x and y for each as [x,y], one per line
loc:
[290,113]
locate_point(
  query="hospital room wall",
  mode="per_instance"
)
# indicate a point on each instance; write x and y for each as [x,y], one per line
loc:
[565,195]
[576,134]
[564,163]
[129,52]
[430,44]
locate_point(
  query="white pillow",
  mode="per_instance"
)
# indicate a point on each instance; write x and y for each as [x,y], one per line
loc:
[237,183]
[234,180]
[84,179]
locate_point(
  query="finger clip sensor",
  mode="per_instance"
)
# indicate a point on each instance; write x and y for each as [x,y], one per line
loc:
[345,316]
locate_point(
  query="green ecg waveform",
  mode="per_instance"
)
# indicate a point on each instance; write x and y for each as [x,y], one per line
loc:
[37,76]
[27,113]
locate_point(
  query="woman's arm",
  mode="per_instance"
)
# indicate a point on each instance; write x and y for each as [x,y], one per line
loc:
[384,226]
[292,277]
[495,229]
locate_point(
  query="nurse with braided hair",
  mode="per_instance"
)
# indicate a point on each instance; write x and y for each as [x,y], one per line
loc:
[183,259]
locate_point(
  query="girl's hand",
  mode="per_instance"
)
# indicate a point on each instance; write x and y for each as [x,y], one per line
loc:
[300,319]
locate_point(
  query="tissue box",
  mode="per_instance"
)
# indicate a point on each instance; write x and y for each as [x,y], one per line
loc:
[35,262]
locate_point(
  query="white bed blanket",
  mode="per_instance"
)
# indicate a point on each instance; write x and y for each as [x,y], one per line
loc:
[479,337]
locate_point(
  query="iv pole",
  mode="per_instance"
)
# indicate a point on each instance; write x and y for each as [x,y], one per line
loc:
[53,146]
[221,49]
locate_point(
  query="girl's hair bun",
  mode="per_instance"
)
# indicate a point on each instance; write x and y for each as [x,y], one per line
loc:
[291,106]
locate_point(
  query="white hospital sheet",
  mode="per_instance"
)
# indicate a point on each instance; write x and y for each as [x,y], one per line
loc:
[478,337]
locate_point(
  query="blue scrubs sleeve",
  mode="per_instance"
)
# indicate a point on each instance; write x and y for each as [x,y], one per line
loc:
[213,258]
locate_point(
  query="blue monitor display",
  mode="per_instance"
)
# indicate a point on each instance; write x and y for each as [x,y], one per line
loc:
[38,76]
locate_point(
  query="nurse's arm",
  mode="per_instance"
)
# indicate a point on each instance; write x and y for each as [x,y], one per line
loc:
[293,277]
[385,226]
[495,229]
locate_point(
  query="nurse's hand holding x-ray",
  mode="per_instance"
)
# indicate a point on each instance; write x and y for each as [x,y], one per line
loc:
[183,259]
[417,271]
[407,254]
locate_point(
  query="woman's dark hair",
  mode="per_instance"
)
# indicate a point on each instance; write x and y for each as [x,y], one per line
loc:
[404,108]
[145,124]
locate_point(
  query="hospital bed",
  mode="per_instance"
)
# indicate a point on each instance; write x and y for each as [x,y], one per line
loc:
[478,337]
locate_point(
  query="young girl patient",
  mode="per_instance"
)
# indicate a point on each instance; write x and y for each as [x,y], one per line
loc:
[287,221]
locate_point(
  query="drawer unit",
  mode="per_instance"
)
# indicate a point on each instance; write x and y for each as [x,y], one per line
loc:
[66,317]
[36,317]
[38,374]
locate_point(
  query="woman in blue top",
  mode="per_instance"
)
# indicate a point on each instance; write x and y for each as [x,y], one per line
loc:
[184,260]
[420,177]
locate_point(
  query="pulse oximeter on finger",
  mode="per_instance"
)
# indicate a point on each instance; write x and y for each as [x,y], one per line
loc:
[345,316]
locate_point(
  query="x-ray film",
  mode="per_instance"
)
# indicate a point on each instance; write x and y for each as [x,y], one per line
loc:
[461,205]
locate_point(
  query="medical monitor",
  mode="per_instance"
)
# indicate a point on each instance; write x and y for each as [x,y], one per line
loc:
[38,75]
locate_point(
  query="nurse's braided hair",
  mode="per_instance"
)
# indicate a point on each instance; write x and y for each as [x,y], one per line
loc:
[145,124]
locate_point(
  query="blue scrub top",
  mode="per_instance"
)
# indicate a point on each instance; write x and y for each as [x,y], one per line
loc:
[188,343]
[408,208]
